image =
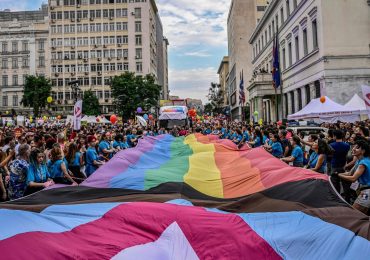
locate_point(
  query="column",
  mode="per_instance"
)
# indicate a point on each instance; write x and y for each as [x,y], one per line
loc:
[260,107]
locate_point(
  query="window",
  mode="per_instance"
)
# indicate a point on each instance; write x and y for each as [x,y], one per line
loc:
[317,89]
[139,54]
[138,40]
[273,27]
[314,34]
[14,46]
[5,80]
[299,92]
[41,45]
[284,59]
[15,63]
[261,8]
[137,26]
[294,4]
[137,13]
[41,61]
[290,53]
[287,8]
[15,100]
[15,80]
[308,94]
[24,46]
[305,47]
[293,103]
[286,104]
[296,40]
[4,63]
[5,101]
[281,16]
[139,67]
[25,62]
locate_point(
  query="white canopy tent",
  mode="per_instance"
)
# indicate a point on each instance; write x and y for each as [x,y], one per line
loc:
[329,111]
[357,103]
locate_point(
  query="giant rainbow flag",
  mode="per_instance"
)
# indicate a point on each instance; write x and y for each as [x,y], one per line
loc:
[187,198]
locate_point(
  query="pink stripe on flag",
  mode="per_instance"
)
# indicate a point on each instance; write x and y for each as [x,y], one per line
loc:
[211,235]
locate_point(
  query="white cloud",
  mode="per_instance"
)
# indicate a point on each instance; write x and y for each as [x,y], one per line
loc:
[192,83]
[197,54]
[194,22]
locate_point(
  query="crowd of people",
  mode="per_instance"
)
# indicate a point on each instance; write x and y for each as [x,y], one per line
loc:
[42,156]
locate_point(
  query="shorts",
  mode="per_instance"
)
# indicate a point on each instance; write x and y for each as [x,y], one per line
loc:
[364,199]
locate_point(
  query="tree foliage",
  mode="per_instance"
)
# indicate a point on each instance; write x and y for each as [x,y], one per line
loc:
[36,90]
[90,104]
[216,97]
[131,91]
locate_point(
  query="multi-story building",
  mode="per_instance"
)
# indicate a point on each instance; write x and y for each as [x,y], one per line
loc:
[324,50]
[242,19]
[223,73]
[94,40]
[24,51]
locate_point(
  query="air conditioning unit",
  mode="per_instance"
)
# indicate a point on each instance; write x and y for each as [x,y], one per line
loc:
[99,73]
[99,59]
[78,20]
[109,58]
[132,13]
[137,57]
[79,57]
[73,73]
[53,21]
[91,18]
[53,47]
[72,19]
[104,46]
[73,47]
[51,7]
[118,58]
[86,73]
[78,6]
[106,101]
[119,44]
[66,57]
[125,58]
[56,74]
[111,18]
[96,46]
[85,60]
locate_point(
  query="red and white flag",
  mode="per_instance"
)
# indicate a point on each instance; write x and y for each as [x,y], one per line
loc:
[77,115]
[366,95]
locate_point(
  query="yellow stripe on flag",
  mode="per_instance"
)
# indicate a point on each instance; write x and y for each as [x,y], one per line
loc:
[203,174]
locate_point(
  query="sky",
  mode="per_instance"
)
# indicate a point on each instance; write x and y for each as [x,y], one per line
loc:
[196,30]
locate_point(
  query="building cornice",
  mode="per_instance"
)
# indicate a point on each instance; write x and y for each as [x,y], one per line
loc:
[268,14]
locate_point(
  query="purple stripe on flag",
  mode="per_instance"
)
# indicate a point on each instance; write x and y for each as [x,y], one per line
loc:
[120,162]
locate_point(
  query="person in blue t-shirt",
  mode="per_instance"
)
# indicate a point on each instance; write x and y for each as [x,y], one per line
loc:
[297,153]
[274,147]
[317,160]
[105,150]
[257,141]
[132,138]
[58,168]
[238,137]
[119,143]
[361,173]
[92,158]
[38,176]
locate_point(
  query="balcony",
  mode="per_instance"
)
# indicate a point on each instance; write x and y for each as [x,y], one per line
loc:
[261,85]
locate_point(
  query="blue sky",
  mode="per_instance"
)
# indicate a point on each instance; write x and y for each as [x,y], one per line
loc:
[196,30]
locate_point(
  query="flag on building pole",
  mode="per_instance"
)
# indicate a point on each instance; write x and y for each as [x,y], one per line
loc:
[276,64]
[77,115]
[366,96]
[241,90]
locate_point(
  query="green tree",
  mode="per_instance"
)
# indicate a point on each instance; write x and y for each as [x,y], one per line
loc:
[216,97]
[90,104]
[36,90]
[131,91]
[208,108]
